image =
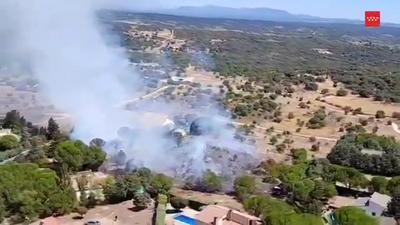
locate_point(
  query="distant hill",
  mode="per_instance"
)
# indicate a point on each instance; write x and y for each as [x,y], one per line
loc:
[211,11]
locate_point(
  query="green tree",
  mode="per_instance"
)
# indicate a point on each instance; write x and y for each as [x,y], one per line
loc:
[323,190]
[51,148]
[161,183]
[63,202]
[299,154]
[380,114]
[32,191]
[393,207]
[93,157]
[256,205]
[12,120]
[122,188]
[350,215]
[313,207]
[245,186]
[266,205]
[179,203]
[8,142]
[210,182]
[69,154]
[379,184]
[393,184]
[2,210]
[293,219]
[302,190]
[53,130]
[35,155]
[142,200]
[242,110]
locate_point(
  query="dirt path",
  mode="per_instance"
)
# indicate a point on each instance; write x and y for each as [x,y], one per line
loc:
[294,134]
[152,94]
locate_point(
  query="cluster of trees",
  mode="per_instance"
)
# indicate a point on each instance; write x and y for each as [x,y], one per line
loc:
[370,153]
[26,129]
[318,120]
[35,187]
[350,215]
[140,185]
[24,135]
[275,211]
[28,192]
[75,155]
[305,188]
[8,142]
[70,155]
[209,182]
[367,69]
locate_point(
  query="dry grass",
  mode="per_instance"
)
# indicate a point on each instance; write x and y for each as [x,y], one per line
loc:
[368,106]
[203,77]
[328,135]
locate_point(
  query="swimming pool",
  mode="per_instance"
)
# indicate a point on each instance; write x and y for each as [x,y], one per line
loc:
[186,219]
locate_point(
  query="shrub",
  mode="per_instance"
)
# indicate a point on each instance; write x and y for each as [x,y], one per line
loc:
[341,92]
[179,203]
[290,115]
[380,114]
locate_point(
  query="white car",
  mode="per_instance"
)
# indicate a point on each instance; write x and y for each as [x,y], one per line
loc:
[93,222]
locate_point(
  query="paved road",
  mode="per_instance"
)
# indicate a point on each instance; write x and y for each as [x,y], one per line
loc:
[13,158]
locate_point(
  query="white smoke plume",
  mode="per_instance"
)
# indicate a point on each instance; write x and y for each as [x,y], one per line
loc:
[65,47]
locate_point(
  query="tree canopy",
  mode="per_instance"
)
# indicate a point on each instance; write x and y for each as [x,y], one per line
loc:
[135,184]
[350,215]
[353,150]
[77,155]
[29,192]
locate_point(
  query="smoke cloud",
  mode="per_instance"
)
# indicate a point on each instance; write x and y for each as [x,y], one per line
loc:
[67,52]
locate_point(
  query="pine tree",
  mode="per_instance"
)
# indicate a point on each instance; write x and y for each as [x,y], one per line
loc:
[11,120]
[393,207]
[53,130]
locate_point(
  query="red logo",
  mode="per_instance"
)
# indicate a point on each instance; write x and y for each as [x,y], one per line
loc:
[372,18]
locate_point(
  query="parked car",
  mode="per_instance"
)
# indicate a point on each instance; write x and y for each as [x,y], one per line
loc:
[93,222]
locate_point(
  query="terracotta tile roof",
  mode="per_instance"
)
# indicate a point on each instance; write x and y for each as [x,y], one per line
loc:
[226,216]
[208,213]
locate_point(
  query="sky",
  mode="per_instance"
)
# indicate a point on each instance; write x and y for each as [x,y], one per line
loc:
[350,9]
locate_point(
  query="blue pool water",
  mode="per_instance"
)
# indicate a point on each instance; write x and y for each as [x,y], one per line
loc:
[334,221]
[186,219]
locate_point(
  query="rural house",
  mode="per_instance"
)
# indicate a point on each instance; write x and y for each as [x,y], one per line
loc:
[220,215]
